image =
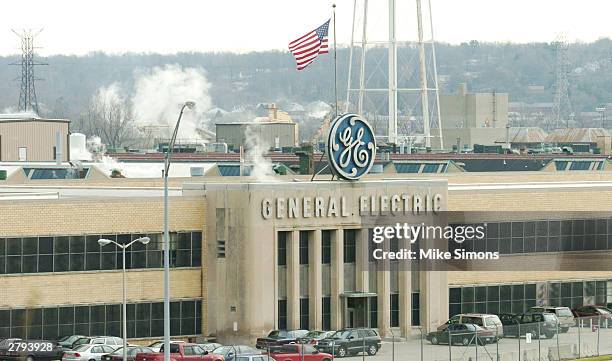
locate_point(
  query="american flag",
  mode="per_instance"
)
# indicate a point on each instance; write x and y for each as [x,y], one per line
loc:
[306,48]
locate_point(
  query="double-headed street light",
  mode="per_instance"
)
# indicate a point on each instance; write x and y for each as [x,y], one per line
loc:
[190,105]
[103,242]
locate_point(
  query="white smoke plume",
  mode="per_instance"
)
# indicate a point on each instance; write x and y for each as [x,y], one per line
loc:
[160,92]
[256,149]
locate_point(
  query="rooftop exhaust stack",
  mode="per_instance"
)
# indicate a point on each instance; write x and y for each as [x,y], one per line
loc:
[58,148]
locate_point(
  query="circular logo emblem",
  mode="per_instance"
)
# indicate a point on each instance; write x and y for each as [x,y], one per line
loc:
[351,146]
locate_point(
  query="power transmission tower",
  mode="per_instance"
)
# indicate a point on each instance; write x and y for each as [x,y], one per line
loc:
[27,94]
[562,110]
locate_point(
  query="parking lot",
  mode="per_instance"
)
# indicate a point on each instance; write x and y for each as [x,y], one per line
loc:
[593,341]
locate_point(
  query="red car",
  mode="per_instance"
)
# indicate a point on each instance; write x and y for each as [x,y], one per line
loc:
[181,352]
[591,311]
[298,352]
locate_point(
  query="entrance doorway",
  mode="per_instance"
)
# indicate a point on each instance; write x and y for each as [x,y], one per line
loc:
[357,308]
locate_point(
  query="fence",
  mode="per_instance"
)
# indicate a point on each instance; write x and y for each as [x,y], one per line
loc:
[536,341]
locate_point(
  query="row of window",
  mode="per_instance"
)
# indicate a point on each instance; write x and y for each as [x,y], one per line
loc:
[349,246]
[83,253]
[543,236]
[517,298]
[326,312]
[143,320]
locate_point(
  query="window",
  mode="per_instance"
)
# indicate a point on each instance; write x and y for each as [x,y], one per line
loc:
[326,313]
[326,247]
[303,247]
[394,310]
[83,253]
[349,245]
[416,309]
[282,314]
[282,248]
[304,319]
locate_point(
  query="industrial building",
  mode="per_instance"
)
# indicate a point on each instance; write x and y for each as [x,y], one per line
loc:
[251,255]
[470,118]
[29,138]
[275,130]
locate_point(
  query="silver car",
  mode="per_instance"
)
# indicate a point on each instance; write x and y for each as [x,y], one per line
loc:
[87,352]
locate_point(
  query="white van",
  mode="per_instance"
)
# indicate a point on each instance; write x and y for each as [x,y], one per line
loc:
[488,322]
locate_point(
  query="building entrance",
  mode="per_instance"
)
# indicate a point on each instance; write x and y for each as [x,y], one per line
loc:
[357,308]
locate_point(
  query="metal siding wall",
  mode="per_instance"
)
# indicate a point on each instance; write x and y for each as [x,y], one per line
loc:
[37,137]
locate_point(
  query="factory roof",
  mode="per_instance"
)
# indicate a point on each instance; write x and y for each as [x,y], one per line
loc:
[576,135]
[524,135]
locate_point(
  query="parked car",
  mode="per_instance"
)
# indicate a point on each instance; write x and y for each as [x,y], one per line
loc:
[351,341]
[132,351]
[564,315]
[461,333]
[253,358]
[31,350]
[156,346]
[508,321]
[279,338]
[67,341]
[114,342]
[536,324]
[486,321]
[88,352]
[313,337]
[228,352]
[299,352]
[181,352]
[591,311]
[211,346]
[5,344]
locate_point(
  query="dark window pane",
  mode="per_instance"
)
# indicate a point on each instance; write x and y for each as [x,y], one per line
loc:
[282,249]
[13,264]
[326,247]
[13,246]
[30,246]
[196,240]
[29,264]
[50,316]
[139,259]
[183,258]
[81,314]
[92,245]
[97,313]
[92,261]
[154,259]
[113,313]
[45,263]
[108,261]
[303,247]
[61,245]
[77,262]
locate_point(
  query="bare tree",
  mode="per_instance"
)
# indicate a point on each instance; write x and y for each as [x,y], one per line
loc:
[111,118]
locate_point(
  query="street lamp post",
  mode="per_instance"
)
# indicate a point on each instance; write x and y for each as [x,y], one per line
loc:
[103,242]
[190,105]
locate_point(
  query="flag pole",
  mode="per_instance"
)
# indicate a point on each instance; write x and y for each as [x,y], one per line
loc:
[335,65]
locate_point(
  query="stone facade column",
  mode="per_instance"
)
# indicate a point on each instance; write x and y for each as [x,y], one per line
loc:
[315,282]
[405,293]
[362,261]
[384,293]
[337,278]
[293,280]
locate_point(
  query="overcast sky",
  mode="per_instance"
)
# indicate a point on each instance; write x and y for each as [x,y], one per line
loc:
[116,26]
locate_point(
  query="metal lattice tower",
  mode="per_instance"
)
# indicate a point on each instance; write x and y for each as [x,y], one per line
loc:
[27,94]
[401,105]
[562,110]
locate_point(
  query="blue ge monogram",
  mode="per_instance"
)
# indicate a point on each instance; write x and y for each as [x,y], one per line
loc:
[351,146]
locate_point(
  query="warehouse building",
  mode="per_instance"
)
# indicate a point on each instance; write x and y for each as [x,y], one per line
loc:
[249,256]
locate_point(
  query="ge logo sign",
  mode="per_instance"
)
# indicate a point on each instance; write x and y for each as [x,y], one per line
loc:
[351,146]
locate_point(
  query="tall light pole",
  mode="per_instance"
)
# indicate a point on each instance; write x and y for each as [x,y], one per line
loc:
[190,105]
[103,242]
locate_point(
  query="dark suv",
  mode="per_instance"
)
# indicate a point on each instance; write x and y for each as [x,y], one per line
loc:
[277,338]
[534,323]
[350,342]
